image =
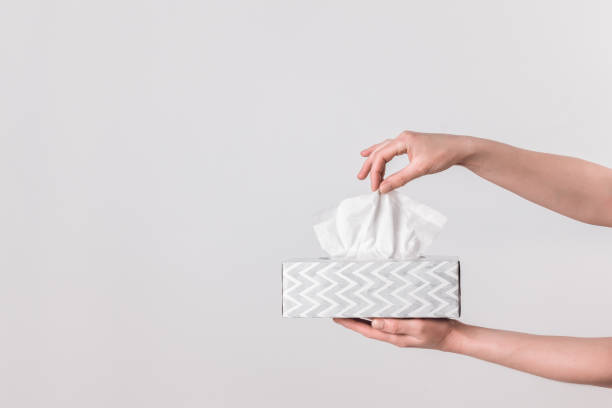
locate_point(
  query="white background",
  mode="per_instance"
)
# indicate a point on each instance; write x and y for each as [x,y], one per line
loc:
[158,160]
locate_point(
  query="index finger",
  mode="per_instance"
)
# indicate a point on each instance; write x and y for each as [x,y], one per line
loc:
[380,159]
[369,153]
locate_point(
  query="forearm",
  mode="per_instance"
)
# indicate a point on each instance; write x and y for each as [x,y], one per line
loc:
[573,187]
[568,359]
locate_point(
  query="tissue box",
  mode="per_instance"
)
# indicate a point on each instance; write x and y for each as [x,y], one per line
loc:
[422,287]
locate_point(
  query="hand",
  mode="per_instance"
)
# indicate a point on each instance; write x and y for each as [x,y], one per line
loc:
[423,333]
[428,153]
[570,359]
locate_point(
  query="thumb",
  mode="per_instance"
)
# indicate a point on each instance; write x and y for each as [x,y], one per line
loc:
[401,177]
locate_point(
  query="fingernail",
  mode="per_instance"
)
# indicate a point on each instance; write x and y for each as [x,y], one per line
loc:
[378,323]
[384,188]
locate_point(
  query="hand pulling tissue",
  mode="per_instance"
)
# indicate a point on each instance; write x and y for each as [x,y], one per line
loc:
[378,226]
[375,266]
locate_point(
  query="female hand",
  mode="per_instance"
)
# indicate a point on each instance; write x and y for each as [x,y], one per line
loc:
[428,153]
[570,359]
[423,333]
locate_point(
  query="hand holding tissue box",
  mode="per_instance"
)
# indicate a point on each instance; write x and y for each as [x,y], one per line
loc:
[375,267]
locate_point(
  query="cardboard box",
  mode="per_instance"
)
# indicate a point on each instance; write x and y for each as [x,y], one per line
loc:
[421,287]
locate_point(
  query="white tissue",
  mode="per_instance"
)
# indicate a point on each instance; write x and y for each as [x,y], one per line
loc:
[378,226]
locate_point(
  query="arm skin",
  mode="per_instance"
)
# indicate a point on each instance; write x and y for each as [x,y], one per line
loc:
[573,187]
[569,186]
[568,359]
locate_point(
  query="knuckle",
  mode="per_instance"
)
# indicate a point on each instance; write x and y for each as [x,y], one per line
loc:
[407,134]
[379,164]
[399,148]
[392,326]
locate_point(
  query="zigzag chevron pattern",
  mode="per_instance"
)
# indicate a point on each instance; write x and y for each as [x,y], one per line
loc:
[424,287]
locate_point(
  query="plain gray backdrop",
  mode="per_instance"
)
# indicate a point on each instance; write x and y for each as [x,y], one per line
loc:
[158,160]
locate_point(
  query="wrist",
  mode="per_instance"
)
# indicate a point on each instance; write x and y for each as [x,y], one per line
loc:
[470,148]
[454,341]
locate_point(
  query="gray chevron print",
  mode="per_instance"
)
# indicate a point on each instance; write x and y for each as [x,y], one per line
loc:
[423,287]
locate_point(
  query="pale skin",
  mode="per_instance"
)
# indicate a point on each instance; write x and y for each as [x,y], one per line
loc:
[573,187]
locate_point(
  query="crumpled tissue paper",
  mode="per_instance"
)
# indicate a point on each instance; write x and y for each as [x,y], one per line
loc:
[378,226]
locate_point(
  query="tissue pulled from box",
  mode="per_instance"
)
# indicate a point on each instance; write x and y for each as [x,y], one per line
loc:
[378,226]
